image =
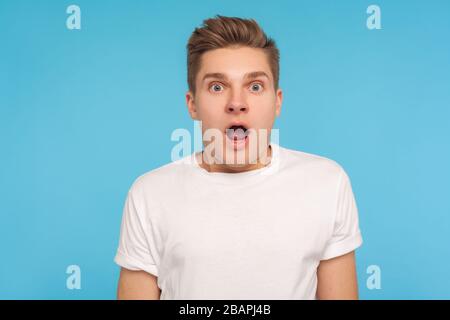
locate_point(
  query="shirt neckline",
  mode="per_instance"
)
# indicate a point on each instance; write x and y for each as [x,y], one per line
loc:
[239,177]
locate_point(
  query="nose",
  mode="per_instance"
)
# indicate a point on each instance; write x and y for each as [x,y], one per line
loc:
[237,103]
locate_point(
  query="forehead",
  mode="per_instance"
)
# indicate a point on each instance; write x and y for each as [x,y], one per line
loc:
[235,63]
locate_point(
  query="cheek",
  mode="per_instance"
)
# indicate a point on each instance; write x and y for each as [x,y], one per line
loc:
[210,112]
[263,111]
[209,104]
[205,107]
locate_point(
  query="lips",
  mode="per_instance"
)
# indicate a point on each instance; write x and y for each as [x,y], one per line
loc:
[236,132]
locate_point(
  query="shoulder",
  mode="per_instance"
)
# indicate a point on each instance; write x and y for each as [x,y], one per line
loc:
[313,165]
[163,178]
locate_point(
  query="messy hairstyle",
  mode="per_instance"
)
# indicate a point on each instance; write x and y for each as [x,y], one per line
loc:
[223,32]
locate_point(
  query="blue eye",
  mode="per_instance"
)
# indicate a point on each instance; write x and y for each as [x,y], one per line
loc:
[216,87]
[256,87]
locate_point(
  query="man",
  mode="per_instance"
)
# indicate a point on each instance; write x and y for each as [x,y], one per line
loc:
[245,218]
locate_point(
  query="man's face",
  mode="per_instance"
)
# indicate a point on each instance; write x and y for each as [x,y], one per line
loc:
[235,87]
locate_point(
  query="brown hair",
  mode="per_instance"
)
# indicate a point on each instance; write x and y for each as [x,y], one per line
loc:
[223,32]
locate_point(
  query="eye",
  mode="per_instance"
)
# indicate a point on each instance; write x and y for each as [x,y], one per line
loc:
[216,87]
[256,87]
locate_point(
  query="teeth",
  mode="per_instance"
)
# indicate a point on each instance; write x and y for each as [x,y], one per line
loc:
[236,132]
[238,127]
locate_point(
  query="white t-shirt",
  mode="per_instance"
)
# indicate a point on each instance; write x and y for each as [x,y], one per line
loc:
[258,234]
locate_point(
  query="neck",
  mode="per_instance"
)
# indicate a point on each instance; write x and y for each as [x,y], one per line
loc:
[235,169]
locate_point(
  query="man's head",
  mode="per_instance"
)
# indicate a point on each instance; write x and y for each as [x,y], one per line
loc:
[233,72]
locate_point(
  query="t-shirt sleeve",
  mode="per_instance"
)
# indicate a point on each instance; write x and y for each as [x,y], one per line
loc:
[137,246]
[346,235]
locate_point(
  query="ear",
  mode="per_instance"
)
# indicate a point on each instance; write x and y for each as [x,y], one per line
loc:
[278,102]
[191,105]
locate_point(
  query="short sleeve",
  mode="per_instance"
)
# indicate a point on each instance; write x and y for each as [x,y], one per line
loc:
[137,246]
[346,234]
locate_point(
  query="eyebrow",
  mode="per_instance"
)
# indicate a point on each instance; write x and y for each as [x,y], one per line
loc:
[250,75]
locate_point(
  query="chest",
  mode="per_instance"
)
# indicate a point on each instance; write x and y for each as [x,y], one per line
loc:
[242,228]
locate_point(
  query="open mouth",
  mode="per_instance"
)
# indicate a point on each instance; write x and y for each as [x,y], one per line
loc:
[237,133]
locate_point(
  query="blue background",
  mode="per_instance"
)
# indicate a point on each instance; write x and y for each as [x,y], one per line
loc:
[84,112]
